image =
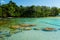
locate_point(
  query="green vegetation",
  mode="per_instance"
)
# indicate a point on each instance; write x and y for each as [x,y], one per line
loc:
[12,10]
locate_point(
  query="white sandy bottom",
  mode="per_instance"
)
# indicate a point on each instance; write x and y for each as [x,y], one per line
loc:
[36,35]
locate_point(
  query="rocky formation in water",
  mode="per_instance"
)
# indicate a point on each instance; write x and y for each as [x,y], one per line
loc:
[21,25]
[49,29]
[27,25]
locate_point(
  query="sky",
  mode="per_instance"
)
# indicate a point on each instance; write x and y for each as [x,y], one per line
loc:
[50,3]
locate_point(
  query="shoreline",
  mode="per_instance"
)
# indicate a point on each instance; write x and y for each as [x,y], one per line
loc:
[32,17]
[53,17]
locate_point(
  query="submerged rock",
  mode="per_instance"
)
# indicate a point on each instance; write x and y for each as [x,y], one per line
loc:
[7,35]
[0,31]
[48,29]
[15,27]
[59,29]
[21,25]
[36,28]
[27,25]
[32,25]
[27,28]
[1,36]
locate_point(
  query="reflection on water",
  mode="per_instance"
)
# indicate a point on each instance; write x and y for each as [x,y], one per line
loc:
[32,34]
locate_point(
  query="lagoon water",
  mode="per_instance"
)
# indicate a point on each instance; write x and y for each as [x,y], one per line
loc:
[53,22]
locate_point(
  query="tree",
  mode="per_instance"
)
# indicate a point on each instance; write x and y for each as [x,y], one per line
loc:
[54,11]
[13,10]
[0,11]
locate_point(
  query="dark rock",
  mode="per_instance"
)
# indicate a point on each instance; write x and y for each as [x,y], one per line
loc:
[7,35]
[59,29]
[1,36]
[36,28]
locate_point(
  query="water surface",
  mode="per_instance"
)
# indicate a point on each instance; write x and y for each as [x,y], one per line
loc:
[33,34]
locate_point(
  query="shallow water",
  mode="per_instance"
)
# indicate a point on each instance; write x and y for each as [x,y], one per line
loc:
[34,34]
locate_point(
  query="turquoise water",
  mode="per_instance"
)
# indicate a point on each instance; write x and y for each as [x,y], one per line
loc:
[34,34]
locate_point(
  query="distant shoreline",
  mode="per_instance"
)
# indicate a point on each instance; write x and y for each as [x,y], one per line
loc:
[52,17]
[32,17]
